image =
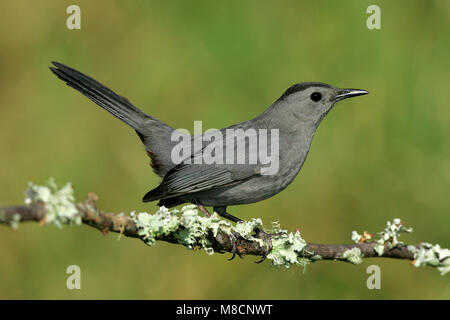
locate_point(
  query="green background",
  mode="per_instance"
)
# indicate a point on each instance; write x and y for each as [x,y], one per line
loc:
[373,158]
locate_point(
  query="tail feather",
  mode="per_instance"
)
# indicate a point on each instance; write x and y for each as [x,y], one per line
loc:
[155,135]
[170,202]
[159,194]
[118,106]
[154,194]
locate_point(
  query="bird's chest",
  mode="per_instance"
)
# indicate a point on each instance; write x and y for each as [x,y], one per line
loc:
[290,162]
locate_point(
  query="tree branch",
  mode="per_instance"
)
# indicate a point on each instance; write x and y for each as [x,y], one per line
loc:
[48,204]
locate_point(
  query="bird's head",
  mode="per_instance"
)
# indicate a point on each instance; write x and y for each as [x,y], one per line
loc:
[311,101]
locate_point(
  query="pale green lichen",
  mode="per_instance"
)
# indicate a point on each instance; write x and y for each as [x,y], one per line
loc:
[316,257]
[59,203]
[14,223]
[150,226]
[246,229]
[196,228]
[353,255]
[276,228]
[186,226]
[427,254]
[286,249]
[388,237]
[189,228]
[193,230]
[356,237]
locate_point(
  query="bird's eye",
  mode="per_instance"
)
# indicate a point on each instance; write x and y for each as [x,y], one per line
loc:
[316,96]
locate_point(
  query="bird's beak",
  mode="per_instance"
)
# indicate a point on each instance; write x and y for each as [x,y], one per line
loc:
[349,93]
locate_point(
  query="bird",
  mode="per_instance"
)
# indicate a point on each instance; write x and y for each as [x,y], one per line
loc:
[295,117]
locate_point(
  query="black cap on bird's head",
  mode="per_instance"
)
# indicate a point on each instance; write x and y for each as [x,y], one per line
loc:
[339,94]
[313,100]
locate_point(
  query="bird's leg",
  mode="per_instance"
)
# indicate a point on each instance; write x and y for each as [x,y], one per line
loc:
[267,238]
[203,209]
[206,212]
[222,211]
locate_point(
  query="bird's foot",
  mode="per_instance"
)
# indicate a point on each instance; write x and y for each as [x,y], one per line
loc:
[267,240]
[259,233]
[234,250]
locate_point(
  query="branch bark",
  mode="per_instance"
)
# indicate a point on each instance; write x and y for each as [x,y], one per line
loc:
[111,222]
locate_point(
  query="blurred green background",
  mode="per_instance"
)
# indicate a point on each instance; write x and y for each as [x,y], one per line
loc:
[374,158]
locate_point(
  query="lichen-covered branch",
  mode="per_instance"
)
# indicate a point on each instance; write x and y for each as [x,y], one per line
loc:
[52,205]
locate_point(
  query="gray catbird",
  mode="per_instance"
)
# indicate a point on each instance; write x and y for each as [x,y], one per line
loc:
[296,115]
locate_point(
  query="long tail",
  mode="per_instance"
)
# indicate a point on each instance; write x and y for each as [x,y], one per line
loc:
[118,106]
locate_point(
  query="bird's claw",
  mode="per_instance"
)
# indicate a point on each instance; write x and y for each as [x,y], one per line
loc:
[233,238]
[259,233]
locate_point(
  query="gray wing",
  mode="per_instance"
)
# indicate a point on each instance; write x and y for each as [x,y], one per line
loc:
[189,177]
[198,177]
[192,178]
